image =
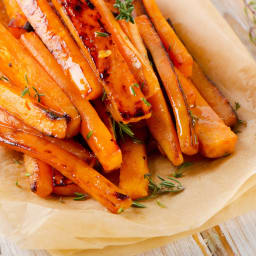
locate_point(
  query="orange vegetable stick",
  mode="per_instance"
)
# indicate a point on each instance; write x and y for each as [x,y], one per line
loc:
[62,186]
[58,40]
[186,134]
[93,129]
[40,176]
[141,70]
[215,138]
[31,112]
[160,124]
[70,166]
[133,169]
[24,71]
[173,45]
[3,15]
[213,96]
[124,100]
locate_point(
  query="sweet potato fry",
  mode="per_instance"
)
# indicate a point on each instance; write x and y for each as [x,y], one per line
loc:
[24,71]
[53,33]
[215,138]
[186,134]
[40,178]
[70,166]
[93,129]
[160,124]
[62,186]
[141,70]
[173,45]
[124,100]
[133,169]
[31,112]
[213,96]
[69,145]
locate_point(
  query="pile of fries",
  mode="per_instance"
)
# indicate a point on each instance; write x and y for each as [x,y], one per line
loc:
[86,84]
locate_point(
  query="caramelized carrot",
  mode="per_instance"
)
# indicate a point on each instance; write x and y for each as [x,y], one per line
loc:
[24,71]
[213,96]
[63,186]
[160,124]
[70,166]
[53,33]
[173,45]
[215,138]
[3,15]
[186,134]
[141,70]
[31,112]
[93,129]
[40,176]
[124,100]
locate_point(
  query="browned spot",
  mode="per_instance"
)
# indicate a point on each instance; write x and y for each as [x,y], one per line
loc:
[33,187]
[121,196]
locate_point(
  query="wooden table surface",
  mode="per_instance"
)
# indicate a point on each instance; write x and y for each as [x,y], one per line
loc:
[235,237]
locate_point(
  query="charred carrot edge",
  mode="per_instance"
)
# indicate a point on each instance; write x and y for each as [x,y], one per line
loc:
[133,169]
[160,124]
[124,100]
[213,96]
[215,138]
[40,176]
[93,129]
[52,32]
[186,133]
[141,70]
[25,72]
[69,145]
[32,113]
[173,45]
[62,186]
[70,166]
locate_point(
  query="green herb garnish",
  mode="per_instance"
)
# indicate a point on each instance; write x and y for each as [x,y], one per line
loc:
[146,102]
[120,210]
[125,8]
[37,94]
[181,169]
[80,196]
[237,106]
[101,34]
[25,91]
[4,78]
[193,117]
[27,174]
[17,184]
[89,135]
[136,204]
[132,89]
[160,204]
[124,128]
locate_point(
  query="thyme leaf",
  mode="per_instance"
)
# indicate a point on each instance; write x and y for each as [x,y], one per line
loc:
[125,8]
[80,196]
[181,169]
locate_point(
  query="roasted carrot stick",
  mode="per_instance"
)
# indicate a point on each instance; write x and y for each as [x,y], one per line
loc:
[4,19]
[215,138]
[31,112]
[186,134]
[70,166]
[62,186]
[25,72]
[53,33]
[93,129]
[123,95]
[69,145]
[133,169]
[213,96]
[40,176]
[141,70]
[160,124]
[173,45]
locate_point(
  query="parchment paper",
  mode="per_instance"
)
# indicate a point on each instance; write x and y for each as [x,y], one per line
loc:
[214,189]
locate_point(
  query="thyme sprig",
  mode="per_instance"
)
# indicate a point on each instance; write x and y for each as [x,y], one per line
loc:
[80,197]
[181,169]
[125,8]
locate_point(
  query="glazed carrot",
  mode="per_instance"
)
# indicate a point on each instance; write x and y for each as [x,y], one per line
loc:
[213,96]
[160,124]
[62,186]
[31,112]
[15,13]
[93,129]
[69,145]
[215,138]
[40,176]
[53,33]
[133,169]
[186,134]
[141,70]
[173,45]
[4,19]
[70,166]
[123,94]
[24,71]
